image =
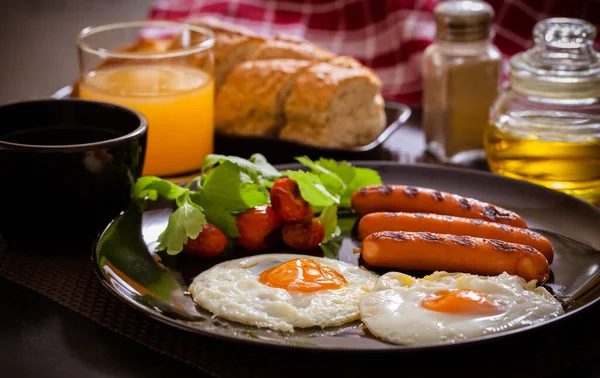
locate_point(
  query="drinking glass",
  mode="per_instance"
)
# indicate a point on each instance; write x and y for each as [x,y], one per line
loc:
[164,70]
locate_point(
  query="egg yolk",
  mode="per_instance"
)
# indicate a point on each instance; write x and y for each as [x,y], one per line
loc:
[303,275]
[462,301]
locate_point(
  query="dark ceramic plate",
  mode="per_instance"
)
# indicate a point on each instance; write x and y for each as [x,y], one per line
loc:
[156,283]
[279,151]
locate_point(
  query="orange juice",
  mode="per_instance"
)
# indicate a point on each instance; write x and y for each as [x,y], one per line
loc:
[178,102]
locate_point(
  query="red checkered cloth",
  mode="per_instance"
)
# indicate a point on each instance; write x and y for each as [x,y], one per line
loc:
[387,35]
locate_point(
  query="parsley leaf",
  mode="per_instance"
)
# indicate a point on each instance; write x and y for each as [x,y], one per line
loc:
[227,187]
[328,218]
[217,216]
[354,177]
[343,169]
[266,169]
[312,190]
[257,167]
[363,177]
[347,223]
[151,187]
[185,222]
[331,250]
[332,182]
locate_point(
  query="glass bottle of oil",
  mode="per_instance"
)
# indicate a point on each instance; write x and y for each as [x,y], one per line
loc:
[545,126]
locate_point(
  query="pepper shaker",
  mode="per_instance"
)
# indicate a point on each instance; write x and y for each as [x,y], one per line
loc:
[461,79]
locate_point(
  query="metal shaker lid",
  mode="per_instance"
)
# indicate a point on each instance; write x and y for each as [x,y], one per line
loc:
[463,20]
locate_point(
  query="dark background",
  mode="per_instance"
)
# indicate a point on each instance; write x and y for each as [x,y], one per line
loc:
[37,41]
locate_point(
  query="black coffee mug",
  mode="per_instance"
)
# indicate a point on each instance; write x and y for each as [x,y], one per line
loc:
[66,169]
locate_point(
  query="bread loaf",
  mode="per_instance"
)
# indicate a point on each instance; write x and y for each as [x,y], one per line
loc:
[334,106]
[233,45]
[251,100]
[350,62]
[281,48]
[299,91]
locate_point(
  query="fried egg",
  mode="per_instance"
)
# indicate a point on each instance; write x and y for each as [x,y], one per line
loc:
[445,307]
[283,291]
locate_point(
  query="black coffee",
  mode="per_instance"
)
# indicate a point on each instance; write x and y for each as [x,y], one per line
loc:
[59,135]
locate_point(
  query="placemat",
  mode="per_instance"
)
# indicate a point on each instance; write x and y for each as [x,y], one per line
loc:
[69,280]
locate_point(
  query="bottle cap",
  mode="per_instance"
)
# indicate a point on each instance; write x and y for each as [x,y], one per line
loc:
[463,21]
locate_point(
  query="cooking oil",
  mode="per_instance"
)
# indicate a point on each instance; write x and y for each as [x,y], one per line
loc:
[544,127]
[560,151]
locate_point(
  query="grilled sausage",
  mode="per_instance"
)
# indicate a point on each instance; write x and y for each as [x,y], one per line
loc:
[410,199]
[430,252]
[446,224]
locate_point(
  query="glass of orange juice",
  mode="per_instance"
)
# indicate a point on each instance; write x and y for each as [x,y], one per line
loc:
[163,69]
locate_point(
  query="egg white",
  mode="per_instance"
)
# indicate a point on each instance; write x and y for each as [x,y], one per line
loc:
[392,311]
[232,291]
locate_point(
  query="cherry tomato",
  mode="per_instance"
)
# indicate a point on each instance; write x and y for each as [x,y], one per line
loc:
[304,235]
[210,243]
[259,228]
[288,203]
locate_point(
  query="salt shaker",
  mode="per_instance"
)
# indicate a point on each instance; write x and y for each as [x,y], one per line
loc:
[461,79]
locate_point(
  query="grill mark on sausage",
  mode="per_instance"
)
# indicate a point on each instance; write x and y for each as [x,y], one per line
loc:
[465,204]
[476,222]
[363,191]
[396,235]
[437,195]
[529,248]
[411,191]
[385,189]
[493,213]
[534,235]
[428,236]
[498,244]
[461,240]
